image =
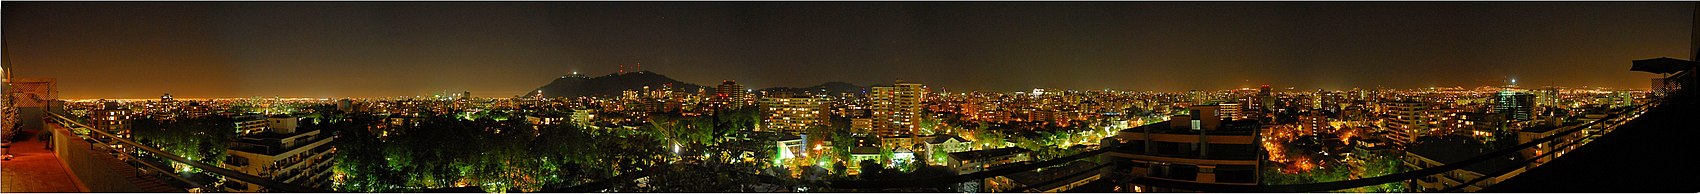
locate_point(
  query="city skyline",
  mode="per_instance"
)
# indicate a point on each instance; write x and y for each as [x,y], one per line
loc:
[332,50]
[824,97]
[447,93]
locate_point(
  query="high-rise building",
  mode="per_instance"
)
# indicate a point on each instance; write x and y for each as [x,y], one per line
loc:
[112,119]
[1253,108]
[1267,98]
[896,108]
[794,113]
[166,109]
[1547,97]
[1409,121]
[729,93]
[1314,121]
[1515,105]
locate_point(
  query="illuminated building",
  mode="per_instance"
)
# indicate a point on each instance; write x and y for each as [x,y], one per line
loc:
[1436,151]
[862,125]
[1314,121]
[1253,108]
[981,160]
[195,110]
[247,124]
[1516,105]
[729,93]
[112,118]
[1200,147]
[1409,121]
[896,108]
[545,120]
[946,144]
[791,146]
[281,153]
[165,109]
[582,117]
[1543,131]
[1266,98]
[1231,110]
[794,113]
[862,153]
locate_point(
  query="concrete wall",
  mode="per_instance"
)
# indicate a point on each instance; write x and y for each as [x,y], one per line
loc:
[95,167]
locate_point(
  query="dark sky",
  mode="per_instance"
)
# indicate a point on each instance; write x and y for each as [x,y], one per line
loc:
[335,49]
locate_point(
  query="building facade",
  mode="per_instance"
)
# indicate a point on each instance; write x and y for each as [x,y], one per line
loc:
[1201,147]
[897,108]
[794,113]
[281,153]
[1515,105]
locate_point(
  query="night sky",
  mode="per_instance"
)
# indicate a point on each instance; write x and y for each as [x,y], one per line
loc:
[333,49]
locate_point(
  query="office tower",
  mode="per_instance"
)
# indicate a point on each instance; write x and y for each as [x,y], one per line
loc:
[1515,105]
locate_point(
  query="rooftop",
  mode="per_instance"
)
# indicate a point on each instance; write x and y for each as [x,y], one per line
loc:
[941,138]
[983,154]
[1042,180]
[1174,150]
[865,150]
[1453,149]
[272,144]
[1233,127]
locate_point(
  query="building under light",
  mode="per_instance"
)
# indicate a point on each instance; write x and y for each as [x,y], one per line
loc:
[896,108]
[1409,121]
[729,94]
[1515,105]
[794,113]
[1202,147]
[281,153]
[112,119]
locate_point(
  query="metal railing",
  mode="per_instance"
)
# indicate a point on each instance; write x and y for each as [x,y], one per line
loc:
[268,183]
[1223,187]
[1398,177]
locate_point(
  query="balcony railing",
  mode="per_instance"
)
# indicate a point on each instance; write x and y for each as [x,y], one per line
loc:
[227,173]
[1409,175]
[1233,187]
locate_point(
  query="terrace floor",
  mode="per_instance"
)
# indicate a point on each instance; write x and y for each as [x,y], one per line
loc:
[35,169]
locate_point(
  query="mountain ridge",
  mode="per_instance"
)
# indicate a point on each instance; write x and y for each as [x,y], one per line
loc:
[572,86]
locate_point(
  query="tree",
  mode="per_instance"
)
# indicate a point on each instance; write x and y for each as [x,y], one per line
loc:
[839,167]
[202,139]
[871,169]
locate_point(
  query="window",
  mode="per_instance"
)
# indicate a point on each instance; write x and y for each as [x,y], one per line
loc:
[237,161]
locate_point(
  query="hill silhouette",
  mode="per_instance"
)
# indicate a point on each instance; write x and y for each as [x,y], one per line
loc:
[573,86]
